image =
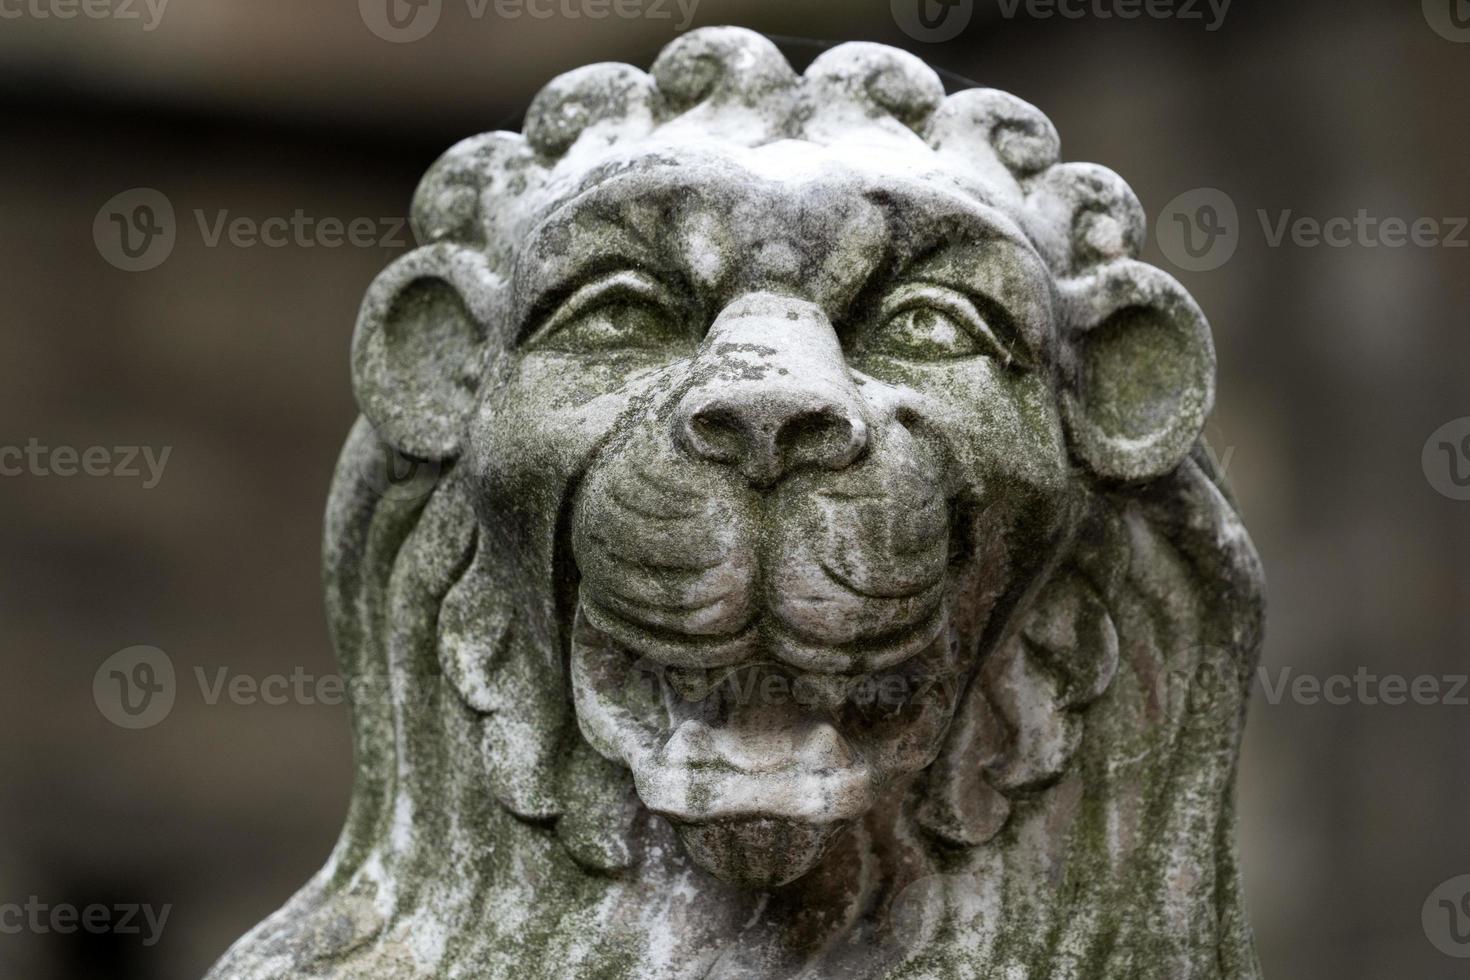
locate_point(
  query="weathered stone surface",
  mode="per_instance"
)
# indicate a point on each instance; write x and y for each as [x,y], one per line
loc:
[822,576]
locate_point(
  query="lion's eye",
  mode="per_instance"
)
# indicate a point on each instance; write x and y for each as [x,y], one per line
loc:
[623,311]
[924,322]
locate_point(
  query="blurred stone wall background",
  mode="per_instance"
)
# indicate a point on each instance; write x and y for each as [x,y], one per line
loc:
[1336,365]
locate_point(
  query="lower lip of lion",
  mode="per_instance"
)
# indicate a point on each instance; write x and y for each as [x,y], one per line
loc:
[713,791]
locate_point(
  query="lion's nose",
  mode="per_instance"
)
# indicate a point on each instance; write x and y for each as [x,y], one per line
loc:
[775,394]
[766,434]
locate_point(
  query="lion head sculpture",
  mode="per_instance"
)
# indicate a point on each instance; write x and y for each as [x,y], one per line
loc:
[821,574]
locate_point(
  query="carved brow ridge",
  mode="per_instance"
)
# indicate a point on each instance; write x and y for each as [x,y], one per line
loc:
[920,220]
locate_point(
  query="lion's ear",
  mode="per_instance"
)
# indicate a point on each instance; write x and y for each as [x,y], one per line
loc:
[1142,373]
[420,349]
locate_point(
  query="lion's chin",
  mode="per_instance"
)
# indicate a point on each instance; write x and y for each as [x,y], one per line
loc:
[765,827]
[761,852]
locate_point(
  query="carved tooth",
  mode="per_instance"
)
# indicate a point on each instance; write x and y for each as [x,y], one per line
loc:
[824,748]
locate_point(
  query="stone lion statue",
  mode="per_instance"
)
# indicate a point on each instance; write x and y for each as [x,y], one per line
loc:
[814,568]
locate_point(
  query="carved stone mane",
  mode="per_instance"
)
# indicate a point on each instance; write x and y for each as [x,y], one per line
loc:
[813,568]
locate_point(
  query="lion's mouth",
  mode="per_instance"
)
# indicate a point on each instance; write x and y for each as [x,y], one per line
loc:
[759,764]
[764,663]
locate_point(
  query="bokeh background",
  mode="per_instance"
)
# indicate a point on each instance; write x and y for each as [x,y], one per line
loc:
[1336,365]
